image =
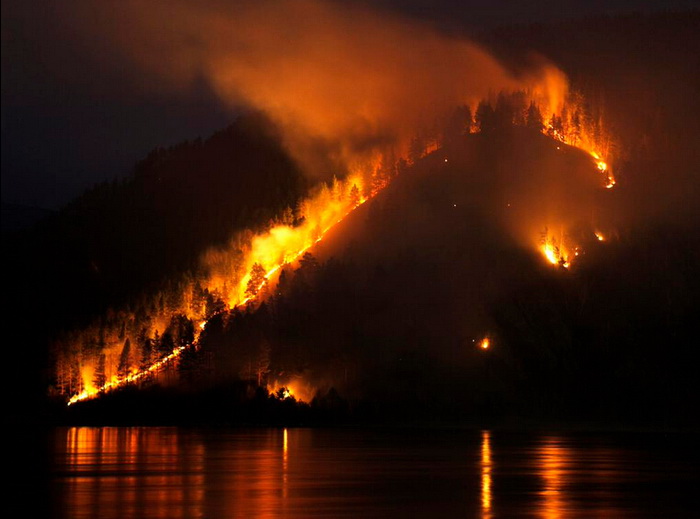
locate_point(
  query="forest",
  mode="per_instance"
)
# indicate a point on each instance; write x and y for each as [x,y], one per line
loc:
[380,324]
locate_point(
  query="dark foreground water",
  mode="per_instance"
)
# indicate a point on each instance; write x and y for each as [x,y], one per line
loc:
[171,472]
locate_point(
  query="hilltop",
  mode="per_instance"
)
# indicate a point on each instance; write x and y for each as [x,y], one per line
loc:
[383,319]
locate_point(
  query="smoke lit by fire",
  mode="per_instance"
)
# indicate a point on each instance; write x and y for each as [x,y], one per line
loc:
[348,107]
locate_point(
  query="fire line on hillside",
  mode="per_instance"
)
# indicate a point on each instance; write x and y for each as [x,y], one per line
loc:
[265,254]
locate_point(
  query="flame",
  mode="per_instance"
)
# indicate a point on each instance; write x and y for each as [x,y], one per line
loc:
[229,271]
[273,249]
[556,252]
[266,56]
[486,466]
[129,379]
[550,254]
[284,244]
[585,138]
[295,388]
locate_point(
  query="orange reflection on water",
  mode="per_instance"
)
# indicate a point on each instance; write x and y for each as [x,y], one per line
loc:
[285,453]
[486,474]
[103,476]
[553,463]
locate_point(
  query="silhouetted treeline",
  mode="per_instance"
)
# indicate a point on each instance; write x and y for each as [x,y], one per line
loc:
[609,342]
[124,237]
[232,403]
[392,324]
[140,234]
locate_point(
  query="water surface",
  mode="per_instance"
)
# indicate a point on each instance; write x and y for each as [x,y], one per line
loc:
[155,472]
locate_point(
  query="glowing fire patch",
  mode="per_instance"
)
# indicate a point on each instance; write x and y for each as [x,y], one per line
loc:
[555,251]
[129,379]
[285,243]
[296,388]
[549,253]
[280,246]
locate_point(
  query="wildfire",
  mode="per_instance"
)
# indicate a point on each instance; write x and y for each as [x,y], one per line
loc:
[129,379]
[239,274]
[295,388]
[550,254]
[555,252]
[603,168]
[285,244]
[563,129]
[272,250]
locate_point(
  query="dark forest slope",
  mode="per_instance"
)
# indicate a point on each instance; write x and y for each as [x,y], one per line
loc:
[611,338]
[135,235]
[124,237]
[383,321]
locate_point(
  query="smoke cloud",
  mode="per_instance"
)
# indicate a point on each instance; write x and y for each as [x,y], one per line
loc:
[341,81]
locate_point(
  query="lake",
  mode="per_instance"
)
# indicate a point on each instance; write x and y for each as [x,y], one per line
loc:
[161,472]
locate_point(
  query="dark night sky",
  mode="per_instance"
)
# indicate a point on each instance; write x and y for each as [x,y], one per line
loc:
[70,119]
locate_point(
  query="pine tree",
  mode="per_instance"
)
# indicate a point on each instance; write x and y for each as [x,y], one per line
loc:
[146,350]
[458,124]
[416,149]
[309,263]
[124,360]
[257,279]
[576,128]
[534,118]
[100,377]
[485,118]
[76,378]
[165,345]
[62,375]
[354,196]
[187,366]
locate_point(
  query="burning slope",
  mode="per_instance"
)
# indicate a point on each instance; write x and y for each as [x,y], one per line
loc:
[239,274]
[402,291]
[268,252]
[359,106]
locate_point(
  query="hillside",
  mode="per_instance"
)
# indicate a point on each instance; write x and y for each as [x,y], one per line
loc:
[586,294]
[136,236]
[383,319]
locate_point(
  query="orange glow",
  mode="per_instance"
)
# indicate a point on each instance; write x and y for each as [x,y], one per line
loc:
[285,459]
[227,271]
[296,389]
[485,343]
[555,250]
[114,383]
[586,137]
[549,253]
[266,55]
[281,245]
[553,465]
[92,452]
[599,236]
[486,474]
[284,244]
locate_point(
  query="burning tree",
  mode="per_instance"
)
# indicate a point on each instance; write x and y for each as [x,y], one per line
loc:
[256,281]
[124,361]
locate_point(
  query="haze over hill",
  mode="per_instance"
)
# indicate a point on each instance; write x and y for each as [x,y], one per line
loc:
[383,319]
[385,310]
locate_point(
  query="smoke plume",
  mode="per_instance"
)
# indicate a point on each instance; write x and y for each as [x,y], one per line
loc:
[341,81]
